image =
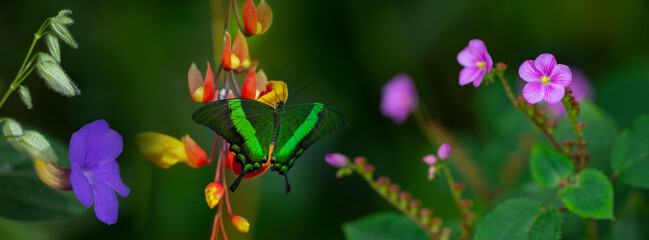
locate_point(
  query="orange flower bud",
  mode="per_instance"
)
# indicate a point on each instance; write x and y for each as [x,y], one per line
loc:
[200,91]
[249,14]
[241,224]
[213,194]
[249,88]
[165,151]
[195,154]
[228,59]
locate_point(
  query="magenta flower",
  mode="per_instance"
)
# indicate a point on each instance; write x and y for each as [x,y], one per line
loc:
[336,160]
[545,79]
[95,174]
[429,159]
[444,151]
[399,98]
[581,89]
[476,62]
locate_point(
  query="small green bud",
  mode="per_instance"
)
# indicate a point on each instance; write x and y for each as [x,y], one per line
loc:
[62,32]
[63,13]
[23,92]
[38,147]
[55,77]
[53,45]
[12,128]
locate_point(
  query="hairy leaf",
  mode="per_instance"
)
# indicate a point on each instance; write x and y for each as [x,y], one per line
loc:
[549,166]
[589,195]
[520,219]
[630,158]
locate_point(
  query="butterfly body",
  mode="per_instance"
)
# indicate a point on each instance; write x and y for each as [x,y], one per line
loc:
[259,133]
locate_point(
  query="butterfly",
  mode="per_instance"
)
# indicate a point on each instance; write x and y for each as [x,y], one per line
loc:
[258,132]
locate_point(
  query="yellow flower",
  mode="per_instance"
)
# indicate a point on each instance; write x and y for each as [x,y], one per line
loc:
[274,92]
[213,194]
[165,151]
[241,224]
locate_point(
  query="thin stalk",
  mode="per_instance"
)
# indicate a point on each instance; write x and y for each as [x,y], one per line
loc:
[217,217]
[227,198]
[21,72]
[578,133]
[591,229]
[510,94]
[394,203]
[451,186]
[237,90]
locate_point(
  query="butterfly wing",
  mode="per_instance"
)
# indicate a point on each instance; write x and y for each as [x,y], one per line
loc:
[301,126]
[246,124]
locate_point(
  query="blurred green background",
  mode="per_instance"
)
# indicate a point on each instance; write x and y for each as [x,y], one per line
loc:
[132,62]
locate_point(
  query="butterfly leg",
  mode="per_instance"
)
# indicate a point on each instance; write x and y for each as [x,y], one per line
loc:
[236,182]
[288,186]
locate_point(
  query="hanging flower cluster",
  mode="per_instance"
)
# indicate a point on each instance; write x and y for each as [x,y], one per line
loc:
[165,151]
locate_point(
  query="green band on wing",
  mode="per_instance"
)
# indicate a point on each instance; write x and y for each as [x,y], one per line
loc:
[246,130]
[302,131]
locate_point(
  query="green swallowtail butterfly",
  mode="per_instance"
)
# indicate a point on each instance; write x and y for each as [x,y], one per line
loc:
[258,132]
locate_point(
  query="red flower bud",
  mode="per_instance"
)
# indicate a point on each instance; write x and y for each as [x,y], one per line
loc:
[249,88]
[249,14]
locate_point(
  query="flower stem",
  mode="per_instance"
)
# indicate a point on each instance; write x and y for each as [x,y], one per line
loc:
[237,90]
[214,149]
[436,135]
[572,114]
[22,73]
[451,186]
[393,202]
[227,198]
[512,98]
[591,229]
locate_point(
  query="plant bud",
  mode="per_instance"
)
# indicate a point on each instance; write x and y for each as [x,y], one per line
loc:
[12,128]
[55,77]
[37,147]
[24,94]
[62,32]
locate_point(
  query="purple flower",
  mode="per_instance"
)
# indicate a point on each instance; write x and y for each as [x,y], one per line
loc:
[95,174]
[336,160]
[399,98]
[444,151]
[476,62]
[429,159]
[581,89]
[545,79]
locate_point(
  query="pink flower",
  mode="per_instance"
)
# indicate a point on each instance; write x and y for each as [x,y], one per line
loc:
[336,160]
[429,159]
[545,79]
[476,62]
[399,98]
[444,151]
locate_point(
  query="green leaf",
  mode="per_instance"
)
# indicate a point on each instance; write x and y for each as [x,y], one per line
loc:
[630,158]
[590,195]
[549,166]
[62,32]
[384,226]
[55,77]
[600,132]
[53,46]
[520,219]
[25,96]
[24,197]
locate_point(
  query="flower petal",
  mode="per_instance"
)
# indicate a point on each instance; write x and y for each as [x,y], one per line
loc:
[529,72]
[469,74]
[533,92]
[480,77]
[106,205]
[81,186]
[467,57]
[108,174]
[478,48]
[553,93]
[208,88]
[102,144]
[561,75]
[194,79]
[545,63]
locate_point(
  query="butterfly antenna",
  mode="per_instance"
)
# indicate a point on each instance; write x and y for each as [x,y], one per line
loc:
[236,182]
[296,93]
[288,186]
